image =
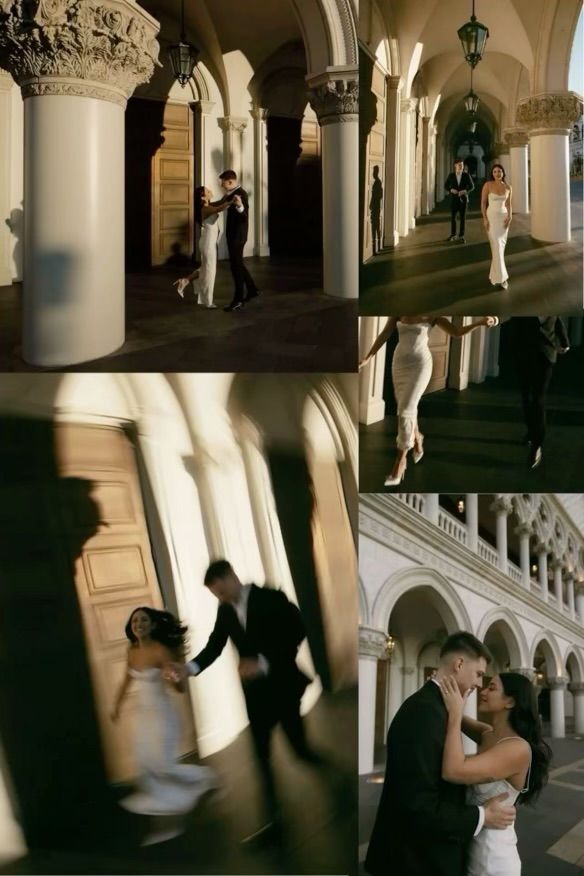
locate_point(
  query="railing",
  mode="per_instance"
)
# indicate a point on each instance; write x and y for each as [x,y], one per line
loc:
[415,501]
[451,526]
[486,552]
[515,573]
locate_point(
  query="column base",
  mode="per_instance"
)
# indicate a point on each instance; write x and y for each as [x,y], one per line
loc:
[372,413]
[262,250]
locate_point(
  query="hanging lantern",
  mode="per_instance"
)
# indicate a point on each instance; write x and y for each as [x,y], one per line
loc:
[473,37]
[471,100]
[183,56]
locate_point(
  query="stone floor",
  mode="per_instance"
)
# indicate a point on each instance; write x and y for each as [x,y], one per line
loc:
[542,830]
[473,439]
[292,326]
[319,809]
[425,274]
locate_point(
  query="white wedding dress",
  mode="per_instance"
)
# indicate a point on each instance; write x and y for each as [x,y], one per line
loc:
[496,215]
[205,282]
[411,371]
[164,787]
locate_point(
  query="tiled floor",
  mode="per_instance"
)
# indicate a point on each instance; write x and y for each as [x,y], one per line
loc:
[319,809]
[425,274]
[292,326]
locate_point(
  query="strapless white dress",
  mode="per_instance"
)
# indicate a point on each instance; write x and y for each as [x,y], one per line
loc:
[411,370]
[164,787]
[204,285]
[496,214]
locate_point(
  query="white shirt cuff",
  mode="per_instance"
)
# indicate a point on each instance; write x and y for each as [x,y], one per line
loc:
[240,209]
[263,664]
[481,820]
[193,668]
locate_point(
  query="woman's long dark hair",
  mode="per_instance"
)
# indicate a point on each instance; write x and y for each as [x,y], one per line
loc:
[199,193]
[166,629]
[524,719]
[502,168]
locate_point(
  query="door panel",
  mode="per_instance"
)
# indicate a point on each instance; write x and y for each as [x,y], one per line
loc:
[173,188]
[439,343]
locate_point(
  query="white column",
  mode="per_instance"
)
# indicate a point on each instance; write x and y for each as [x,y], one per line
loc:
[517,140]
[371,644]
[579,588]
[578,693]
[201,110]
[570,585]
[558,720]
[524,533]
[459,360]
[406,166]
[426,166]
[74,284]
[558,590]
[6,240]
[334,97]
[542,570]
[371,401]
[233,128]
[549,118]
[502,508]
[472,521]
[478,355]
[392,139]
[260,187]
[431,507]
[415,168]
[470,710]
[433,158]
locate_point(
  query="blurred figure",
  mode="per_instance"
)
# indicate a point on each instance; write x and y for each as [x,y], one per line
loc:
[375,210]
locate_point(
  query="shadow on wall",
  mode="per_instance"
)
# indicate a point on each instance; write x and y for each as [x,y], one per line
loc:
[48,724]
[144,137]
[16,225]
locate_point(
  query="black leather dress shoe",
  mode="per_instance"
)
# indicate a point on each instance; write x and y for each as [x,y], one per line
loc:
[235,305]
[253,293]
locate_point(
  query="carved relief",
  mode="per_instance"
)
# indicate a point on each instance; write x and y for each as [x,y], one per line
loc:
[550,111]
[335,101]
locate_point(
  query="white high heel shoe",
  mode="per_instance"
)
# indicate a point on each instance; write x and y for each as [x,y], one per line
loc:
[418,454]
[394,480]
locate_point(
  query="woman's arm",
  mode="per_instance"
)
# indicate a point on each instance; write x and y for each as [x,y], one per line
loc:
[209,209]
[379,340]
[509,207]
[167,658]
[485,203]
[459,331]
[475,730]
[122,691]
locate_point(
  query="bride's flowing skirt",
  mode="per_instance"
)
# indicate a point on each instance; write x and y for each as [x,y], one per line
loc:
[498,240]
[205,282]
[411,371]
[494,853]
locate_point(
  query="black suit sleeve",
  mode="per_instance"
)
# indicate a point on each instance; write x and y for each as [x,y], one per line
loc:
[449,184]
[419,766]
[215,644]
[561,332]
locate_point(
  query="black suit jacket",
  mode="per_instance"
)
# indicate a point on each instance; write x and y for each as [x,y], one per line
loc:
[533,337]
[465,183]
[274,628]
[237,224]
[423,825]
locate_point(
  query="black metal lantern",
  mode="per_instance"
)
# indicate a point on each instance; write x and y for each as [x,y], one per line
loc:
[471,100]
[473,37]
[183,56]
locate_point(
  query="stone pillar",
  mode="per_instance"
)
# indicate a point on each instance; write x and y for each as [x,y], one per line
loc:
[558,590]
[334,96]
[76,66]
[390,216]
[426,166]
[542,569]
[415,169]
[201,110]
[371,649]
[549,118]
[433,166]
[502,508]
[406,165]
[524,533]
[6,239]
[431,507]
[260,186]
[570,586]
[518,177]
[472,521]
[579,588]
[233,128]
[371,401]
[577,689]
[558,720]
[459,361]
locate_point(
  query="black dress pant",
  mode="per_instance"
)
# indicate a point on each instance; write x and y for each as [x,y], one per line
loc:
[241,276]
[535,376]
[458,205]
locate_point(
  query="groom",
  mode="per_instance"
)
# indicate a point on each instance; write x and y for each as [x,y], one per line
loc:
[236,229]
[266,629]
[423,826]
[459,185]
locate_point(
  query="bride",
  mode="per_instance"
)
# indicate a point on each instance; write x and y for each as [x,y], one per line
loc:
[166,789]
[512,758]
[207,216]
[497,214]
[411,370]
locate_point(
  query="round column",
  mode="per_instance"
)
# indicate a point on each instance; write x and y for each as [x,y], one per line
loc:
[570,586]
[76,66]
[502,508]
[390,223]
[371,378]
[558,590]
[431,507]
[558,719]
[517,140]
[579,588]
[260,164]
[406,165]
[548,118]
[577,690]
[472,521]
[524,533]
[371,649]
[334,96]
[542,570]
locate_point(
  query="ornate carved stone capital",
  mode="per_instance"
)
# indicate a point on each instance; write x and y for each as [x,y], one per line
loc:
[335,100]
[501,148]
[577,687]
[542,547]
[84,48]
[395,83]
[232,123]
[516,137]
[502,505]
[202,107]
[523,530]
[408,104]
[372,643]
[559,682]
[259,113]
[555,563]
[549,113]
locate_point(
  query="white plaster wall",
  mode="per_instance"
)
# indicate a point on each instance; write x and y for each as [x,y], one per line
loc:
[17,181]
[377,563]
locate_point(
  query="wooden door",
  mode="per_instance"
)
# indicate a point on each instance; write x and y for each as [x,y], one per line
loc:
[439,343]
[173,189]
[114,574]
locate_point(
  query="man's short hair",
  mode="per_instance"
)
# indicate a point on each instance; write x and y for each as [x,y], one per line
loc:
[467,643]
[217,569]
[459,161]
[228,174]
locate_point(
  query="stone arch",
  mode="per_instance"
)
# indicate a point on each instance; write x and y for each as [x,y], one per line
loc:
[329,33]
[556,37]
[551,650]
[364,613]
[511,632]
[576,658]
[449,603]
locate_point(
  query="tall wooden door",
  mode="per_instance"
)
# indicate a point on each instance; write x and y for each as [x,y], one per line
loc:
[173,188]
[114,574]
[439,343]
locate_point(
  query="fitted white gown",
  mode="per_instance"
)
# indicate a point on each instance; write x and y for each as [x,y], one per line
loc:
[411,371]
[164,786]
[496,214]
[205,282]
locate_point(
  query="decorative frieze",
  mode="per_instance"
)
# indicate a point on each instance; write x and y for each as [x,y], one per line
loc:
[335,100]
[549,113]
[372,643]
[516,137]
